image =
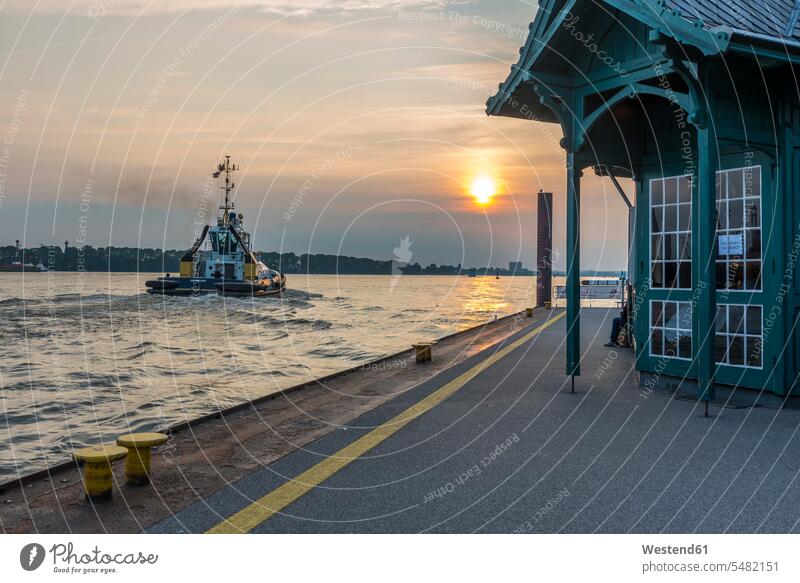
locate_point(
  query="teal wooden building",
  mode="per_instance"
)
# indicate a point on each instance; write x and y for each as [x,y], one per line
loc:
[696,102]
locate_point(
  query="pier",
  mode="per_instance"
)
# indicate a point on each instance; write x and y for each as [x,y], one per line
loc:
[488,437]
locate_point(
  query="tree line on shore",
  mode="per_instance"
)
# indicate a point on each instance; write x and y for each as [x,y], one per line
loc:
[135,259]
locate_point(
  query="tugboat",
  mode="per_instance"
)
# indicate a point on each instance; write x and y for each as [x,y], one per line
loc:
[225,264]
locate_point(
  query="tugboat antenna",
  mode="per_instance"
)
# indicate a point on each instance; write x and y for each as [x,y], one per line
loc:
[226,168]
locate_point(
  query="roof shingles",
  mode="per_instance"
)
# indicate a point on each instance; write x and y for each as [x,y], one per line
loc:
[765,17]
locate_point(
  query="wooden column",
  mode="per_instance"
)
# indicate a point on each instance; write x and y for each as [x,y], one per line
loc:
[573,265]
[704,219]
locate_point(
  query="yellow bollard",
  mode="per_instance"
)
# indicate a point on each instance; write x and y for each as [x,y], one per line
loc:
[137,464]
[97,477]
[423,352]
[548,304]
[529,312]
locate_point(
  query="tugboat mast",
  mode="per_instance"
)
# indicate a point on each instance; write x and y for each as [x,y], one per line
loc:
[226,168]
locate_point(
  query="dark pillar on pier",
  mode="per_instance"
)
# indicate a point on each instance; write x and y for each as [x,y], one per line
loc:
[544,249]
[573,266]
[704,212]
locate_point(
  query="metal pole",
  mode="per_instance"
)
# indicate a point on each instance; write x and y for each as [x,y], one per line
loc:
[573,265]
[704,213]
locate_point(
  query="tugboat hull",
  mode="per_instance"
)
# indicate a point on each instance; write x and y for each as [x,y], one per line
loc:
[182,286]
[248,289]
[190,286]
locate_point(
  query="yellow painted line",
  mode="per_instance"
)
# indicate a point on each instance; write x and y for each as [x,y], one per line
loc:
[272,503]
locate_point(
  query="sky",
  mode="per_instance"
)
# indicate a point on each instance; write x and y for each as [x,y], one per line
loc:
[355,124]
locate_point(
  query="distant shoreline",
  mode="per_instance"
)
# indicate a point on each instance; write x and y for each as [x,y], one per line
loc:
[90,259]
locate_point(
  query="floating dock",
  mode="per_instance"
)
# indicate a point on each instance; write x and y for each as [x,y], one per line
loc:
[488,437]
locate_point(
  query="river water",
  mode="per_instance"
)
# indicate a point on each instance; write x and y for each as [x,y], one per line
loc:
[86,357]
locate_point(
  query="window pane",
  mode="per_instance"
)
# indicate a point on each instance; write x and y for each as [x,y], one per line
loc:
[722,215]
[685,345]
[657,219]
[685,246]
[721,322]
[735,319]
[671,343]
[685,316]
[670,190]
[670,274]
[754,320]
[752,181]
[754,351]
[736,350]
[656,192]
[753,275]
[670,246]
[735,275]
[670,315]
[735,184]
[720,348]
[735,214]
[685,189]
[658,274]
[685,274]
[657,342]
[671,218]
[656,312]
[684,217]
[657,248]
[753,244]
[752,212]
[722,274]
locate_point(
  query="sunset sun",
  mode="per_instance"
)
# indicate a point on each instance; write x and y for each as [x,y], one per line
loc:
[483,189]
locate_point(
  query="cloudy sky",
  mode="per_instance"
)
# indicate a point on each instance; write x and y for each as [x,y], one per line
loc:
[355,123]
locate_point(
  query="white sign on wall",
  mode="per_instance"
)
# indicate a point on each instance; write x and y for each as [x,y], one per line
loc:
[731,245]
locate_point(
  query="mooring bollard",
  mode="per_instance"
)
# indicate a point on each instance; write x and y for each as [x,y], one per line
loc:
[423,352]
[529,312]
[137,464]
[97,475]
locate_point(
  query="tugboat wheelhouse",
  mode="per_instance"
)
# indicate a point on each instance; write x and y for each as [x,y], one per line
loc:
[697,103]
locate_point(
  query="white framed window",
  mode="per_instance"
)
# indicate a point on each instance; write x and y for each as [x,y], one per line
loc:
[738,340]
[671,329]
[739,257]
[671,232]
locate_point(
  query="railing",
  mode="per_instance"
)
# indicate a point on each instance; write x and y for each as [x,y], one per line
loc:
[613,291]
